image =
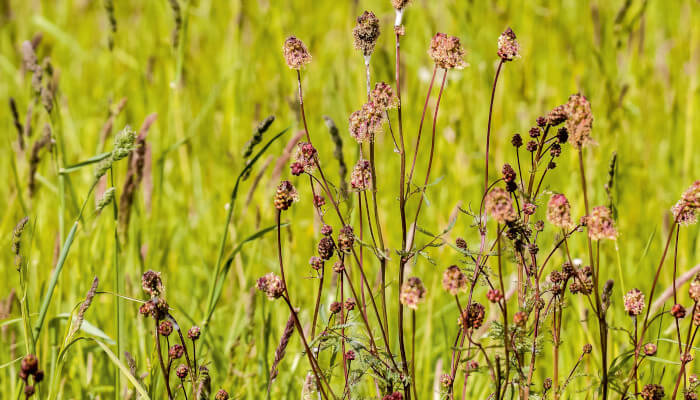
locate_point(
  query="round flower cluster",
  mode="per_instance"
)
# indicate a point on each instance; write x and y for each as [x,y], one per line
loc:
[508,46]
[447,52]
[151,283]
[271,285]
[346,239]
[361,175]
[325,248]
[295,53]
[559,211]
[500,206]
[304,159]
[686,210]
[412,292]
[286,195]
[383,96]
[472,317]
[365,123]
[653,392]
[29,366]
[600,224]
[634,302]
[454,280]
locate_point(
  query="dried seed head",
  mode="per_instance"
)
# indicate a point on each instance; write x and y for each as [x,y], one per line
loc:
[361,176]
[562,135]
[383,96]
[516,140]
[653,392]
[587,348]
[559,211]
[412,292]
[151,283]
[508,172]
[500,206]
[221,395]
[472,317]
[335,307]
[286,195]
[534,132]
[271,285]
[176,351]
[29,364]
[182,371]
[454,280]
[165,328]
[520,318]
[447,52]
[295,53]
[678,311]
[366,32]
[600,224]
[634,302]
[508,46]
[346,239]
[531,146]
[326,230]
[194,332]
[579,120]
[326,248]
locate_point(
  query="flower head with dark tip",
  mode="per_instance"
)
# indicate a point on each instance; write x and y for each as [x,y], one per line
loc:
[447,51]
[508,46]
[366,32]
[295,53]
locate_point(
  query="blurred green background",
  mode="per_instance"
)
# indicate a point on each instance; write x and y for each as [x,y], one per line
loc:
[638,62]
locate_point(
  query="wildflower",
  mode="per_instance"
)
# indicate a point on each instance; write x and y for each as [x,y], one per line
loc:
[412,292]
[520,318]
[366,33]
[531,146]
[686,210]
[165,328]
[547,384]
[454,280]
[678,311]
[176,351]
[587,348]
[579,120]
[271,285]
[516,140]
[182,371]
[361,176]
[649,349]
[296,168]
[325,248]
[346,239]
[557,115]
[399,4]
[336,307]
[295,53]
[316,262]
[338,267]
[508,46]
[653,392]
[555,150]
[446,380]
[694,289]
[500,206]
[472,317]
[319,201]
[29,364]
[696,317]
[461,243]
[349,355]
[383,96]
[508,173]
[349,304]
[601,225]
[305,157]
[286,195]
[326,230]
[395,395]
[634,302]
[529,209]
[494,295]
[151,283]
[559,211]
[221,395]
[562,135]
[365,123]
[534,132]
[29,391]
[194,332]
[447,52]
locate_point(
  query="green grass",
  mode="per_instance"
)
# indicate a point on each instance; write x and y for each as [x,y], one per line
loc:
[641,74]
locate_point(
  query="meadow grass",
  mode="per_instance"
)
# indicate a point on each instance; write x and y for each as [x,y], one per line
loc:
[638,65]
